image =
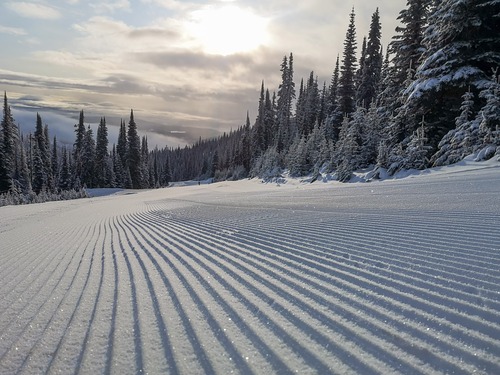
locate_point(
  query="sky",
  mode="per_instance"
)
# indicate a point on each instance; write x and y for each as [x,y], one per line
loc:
[188,69]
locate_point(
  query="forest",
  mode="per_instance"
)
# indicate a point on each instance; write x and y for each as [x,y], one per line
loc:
[430,99]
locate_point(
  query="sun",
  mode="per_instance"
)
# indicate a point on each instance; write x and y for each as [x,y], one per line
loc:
[228,30]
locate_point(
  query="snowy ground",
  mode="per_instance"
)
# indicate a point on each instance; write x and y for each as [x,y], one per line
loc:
[399,276]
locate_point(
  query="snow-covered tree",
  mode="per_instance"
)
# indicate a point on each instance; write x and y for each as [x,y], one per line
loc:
[347,89]
[87,158]
[102,163]
[286,95]
[417,149]
[8,133]
[372,64]
[134,153]
[462,47]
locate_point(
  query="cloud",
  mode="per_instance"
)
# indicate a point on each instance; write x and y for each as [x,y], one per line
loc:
[110,6]
[34,10]
[12,30]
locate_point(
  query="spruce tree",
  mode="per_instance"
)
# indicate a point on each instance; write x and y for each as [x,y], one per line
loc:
[258,131]
[269,121]
[462,49]
[145,163]
[407,45]
[121,165]
[55,164]
[134,153]
[65,175]
[333,114]
[7,145]
[286,95]
[42,165]
[311,103]
[372,64]
[78,145]
[347,89]
[88,159]
[102,155]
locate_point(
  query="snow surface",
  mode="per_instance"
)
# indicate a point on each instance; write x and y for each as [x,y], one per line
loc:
[397,276]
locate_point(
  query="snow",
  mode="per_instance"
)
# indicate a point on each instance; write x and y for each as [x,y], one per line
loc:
[398,276]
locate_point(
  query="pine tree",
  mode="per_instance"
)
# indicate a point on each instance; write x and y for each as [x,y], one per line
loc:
[462,48]
[259,129]
[407,45]
[7,148]
[145,163]
[347,89]
[269,120]
[311,104]
[55,165]
[333,115]
[359,72]
[286,95]
[215,163]
[459,142]
[372,65]
[21,178]
[134,153]
[88,159]
[121,165]
[65,175]
[78,146]
[245,149]
[417,149]
[42,165]
[39,175]
[102,173]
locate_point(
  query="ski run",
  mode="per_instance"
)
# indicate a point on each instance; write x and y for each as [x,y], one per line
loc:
[398,276]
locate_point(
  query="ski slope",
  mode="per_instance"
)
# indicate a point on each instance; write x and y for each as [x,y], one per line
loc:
[390,277]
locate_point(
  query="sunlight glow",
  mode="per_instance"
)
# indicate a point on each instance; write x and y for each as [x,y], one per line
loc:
[227,30]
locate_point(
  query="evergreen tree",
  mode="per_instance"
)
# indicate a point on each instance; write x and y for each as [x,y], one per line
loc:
[359,72]
[258,133]
[134,153]
[121,165]
[21,178]
[7,146]
[300,110]
[407,45]
[372,64]
[286,95]
[43,166]
[347,89]
[334,115]
[55,165]
[166,174]
[145,163]
[311,104]
[65,175]
[245,149]
[88,159]
[39,170]
[462,48]
[102,173]
[269,120]
[78,146]
[215,163]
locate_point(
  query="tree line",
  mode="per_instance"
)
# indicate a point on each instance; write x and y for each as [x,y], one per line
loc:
[430,99]
[35,165]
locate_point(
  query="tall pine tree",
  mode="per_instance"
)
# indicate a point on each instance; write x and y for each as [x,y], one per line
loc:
[347,89]
[134,153]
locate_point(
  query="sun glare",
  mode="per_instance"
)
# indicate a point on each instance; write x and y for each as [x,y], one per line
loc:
[228,30]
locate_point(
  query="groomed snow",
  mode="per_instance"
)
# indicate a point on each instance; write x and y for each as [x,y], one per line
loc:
[397,276]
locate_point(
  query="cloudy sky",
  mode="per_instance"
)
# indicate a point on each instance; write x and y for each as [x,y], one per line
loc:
[187,68]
